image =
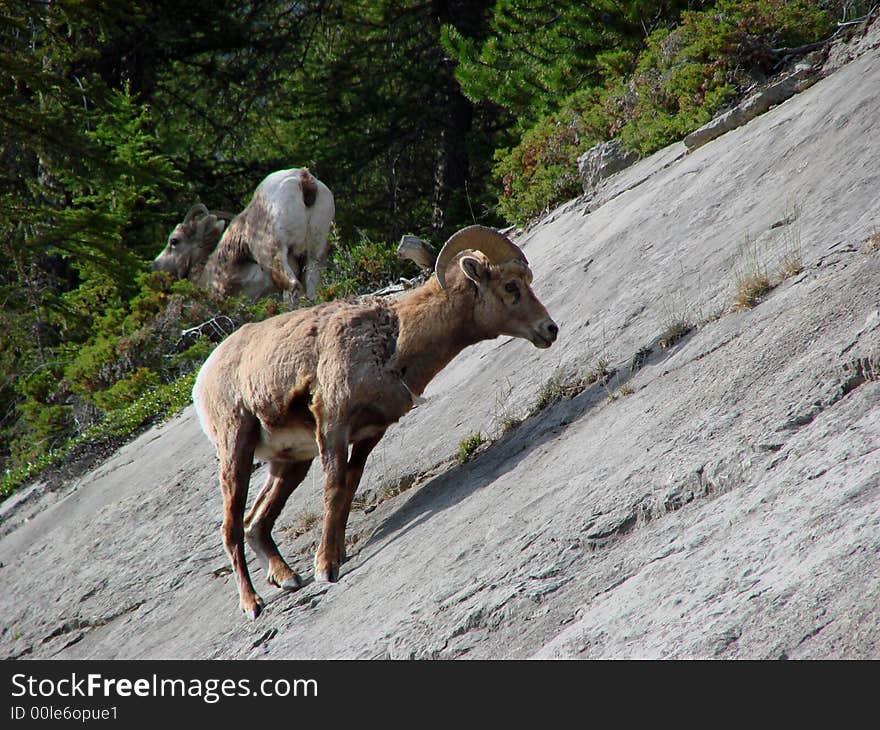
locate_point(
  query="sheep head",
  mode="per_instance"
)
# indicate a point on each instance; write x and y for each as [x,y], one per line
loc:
[190,243]
[420,252]
[505,303]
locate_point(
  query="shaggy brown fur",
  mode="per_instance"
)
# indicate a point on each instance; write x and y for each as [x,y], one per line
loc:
[315,381]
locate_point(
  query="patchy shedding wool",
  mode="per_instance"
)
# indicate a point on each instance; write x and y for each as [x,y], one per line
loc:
[318,381]
[277,243]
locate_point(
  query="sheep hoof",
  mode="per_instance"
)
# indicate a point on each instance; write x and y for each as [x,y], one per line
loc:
[281,576]
[331,575]
[253,610]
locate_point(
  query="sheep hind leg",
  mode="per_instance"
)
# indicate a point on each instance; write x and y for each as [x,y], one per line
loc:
[285,273]
[236,462]
[338,496]
[284,477]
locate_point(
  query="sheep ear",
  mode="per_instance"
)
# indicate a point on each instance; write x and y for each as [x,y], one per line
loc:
[474,270]
[213,233]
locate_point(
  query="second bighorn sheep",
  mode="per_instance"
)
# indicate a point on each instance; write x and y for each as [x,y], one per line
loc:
[276,242]
[314,382]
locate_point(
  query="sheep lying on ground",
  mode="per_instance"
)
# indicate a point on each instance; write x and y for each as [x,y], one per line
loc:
[317,381]
[417,250]
[279,238]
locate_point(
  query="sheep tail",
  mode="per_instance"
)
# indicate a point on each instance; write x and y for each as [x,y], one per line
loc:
[309,187]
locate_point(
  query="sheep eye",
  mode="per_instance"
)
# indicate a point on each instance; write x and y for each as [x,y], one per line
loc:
[173,242]
[511,287]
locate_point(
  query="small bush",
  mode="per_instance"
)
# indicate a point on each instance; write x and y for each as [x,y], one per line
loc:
[468,447]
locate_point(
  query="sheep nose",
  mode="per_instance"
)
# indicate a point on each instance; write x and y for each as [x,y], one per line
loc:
[551,329]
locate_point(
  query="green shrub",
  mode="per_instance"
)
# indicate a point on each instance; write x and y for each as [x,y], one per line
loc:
[361,268]
[153,405]
[468,446]
[685,75]
[678,82]
[126,390]
[541,171]
[120,375]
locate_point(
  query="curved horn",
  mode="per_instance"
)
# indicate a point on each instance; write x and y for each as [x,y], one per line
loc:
[223,215]
[198,208]
[497,247]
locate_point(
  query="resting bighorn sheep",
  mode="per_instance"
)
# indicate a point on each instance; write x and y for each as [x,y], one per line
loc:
[266,248]
[316,381]
[420,252]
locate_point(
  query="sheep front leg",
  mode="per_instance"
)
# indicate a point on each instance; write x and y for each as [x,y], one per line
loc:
[359,453]
[343,478]
[333,446]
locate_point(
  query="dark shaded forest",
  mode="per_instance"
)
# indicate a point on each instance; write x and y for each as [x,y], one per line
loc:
[116,116]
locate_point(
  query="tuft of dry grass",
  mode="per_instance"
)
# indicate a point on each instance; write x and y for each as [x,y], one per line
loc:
[678,319]
[675,331]
[398,486]
[551,393]
[508,423]
[872,242]
[359,501]
[751,277]
[505,417]
[750,289]
[557,388]
[304,522]
[623,391]
[600,373]
[791,262]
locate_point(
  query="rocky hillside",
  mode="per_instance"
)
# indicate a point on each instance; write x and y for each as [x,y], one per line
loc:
[696,472]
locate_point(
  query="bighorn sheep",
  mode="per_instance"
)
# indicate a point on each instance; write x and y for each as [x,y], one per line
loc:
[315,381]
[417,250]
[280,236]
